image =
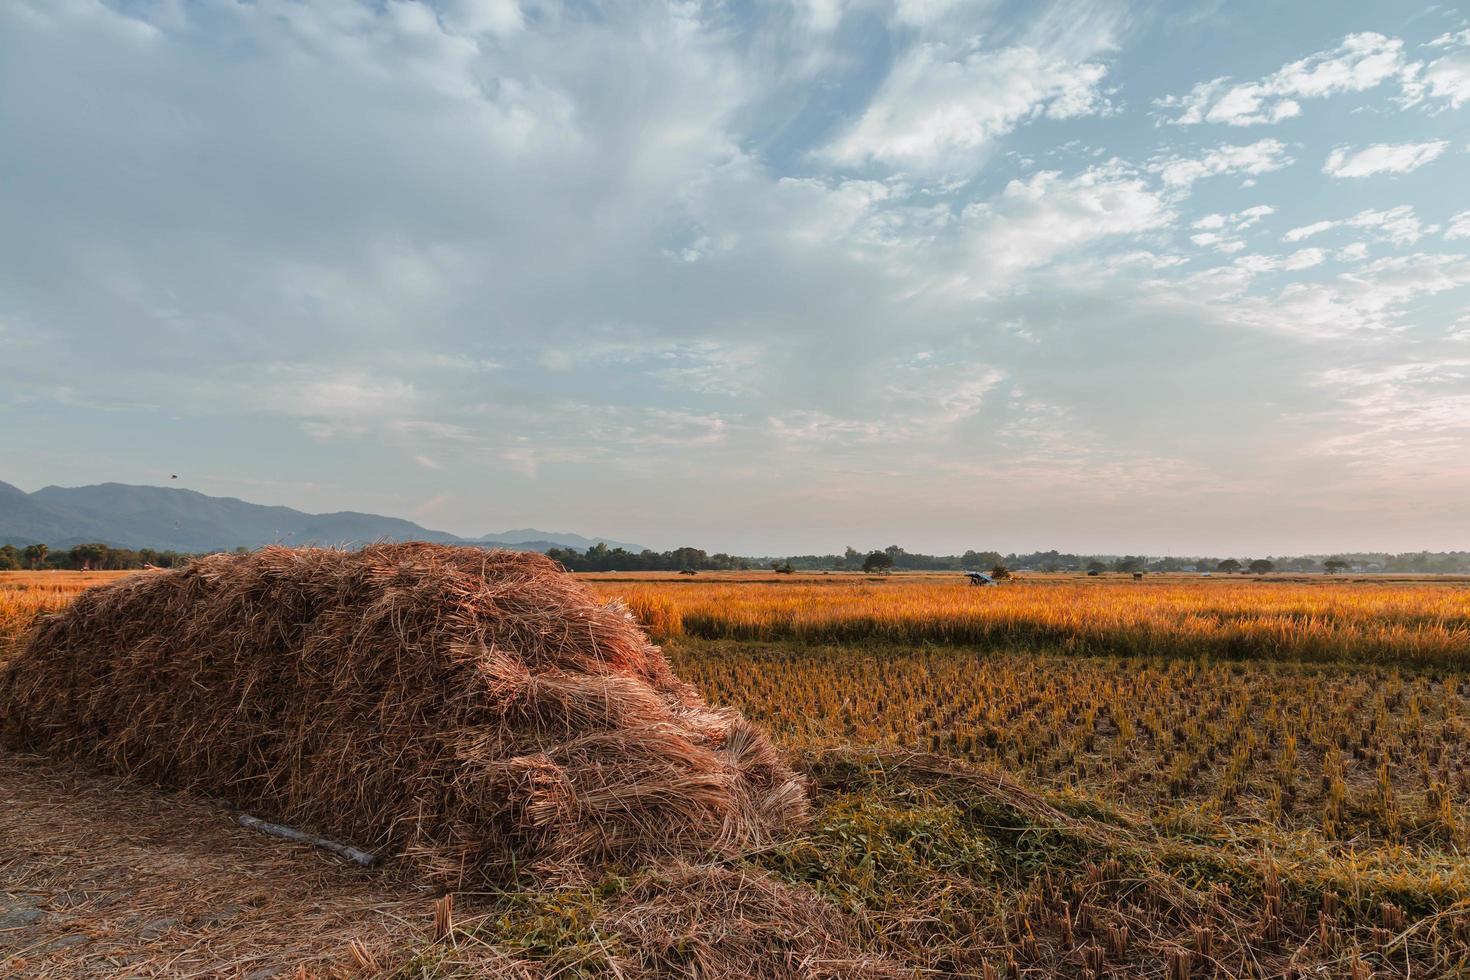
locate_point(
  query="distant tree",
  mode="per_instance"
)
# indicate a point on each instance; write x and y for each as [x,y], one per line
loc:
[1128,563]
[1229,566]
[1261,566]
[783,568]
[85,557]
[999,572]
[980,559]
[1335,565]
[878,562]
[10,558]
[1096,568]
[35,555]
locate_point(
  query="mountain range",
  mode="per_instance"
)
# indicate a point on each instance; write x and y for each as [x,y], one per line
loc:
[171,519]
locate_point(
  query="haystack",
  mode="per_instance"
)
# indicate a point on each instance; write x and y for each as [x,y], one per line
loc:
[480,713]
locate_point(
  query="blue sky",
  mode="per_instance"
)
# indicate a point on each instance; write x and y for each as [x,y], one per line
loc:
[761,276]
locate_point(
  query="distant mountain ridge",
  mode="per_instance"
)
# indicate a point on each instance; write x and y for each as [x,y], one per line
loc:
[173,519]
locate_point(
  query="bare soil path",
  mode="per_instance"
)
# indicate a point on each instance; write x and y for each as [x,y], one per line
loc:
[103,878]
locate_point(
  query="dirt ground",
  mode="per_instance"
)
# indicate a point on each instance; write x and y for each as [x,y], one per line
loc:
[102,878]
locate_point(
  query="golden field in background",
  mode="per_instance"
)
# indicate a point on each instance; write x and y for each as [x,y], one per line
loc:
[24,595]
[1389,619]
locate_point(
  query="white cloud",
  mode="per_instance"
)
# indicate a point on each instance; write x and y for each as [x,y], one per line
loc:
[1238,221]
[932,395]
[829,211]
[939,109]
[1220,243]
[1377,375]
[1460,39]
[1304,258]
[981,248]
[1397,225]
[1251,216]
[331,404]
[1382,158]
[345,395]
[1307,231]
[712,368]
[1408,414]
[923,399]
[1035,221]
[1361,62]
[1459,226]
[1369,299]
[1449,77]
[924,12]
[484,16]
[821,15]
[1263,156]
[813,426]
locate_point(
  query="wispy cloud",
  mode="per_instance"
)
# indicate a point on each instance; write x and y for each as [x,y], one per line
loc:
[940,107]
[1448,77]
[1361,62]
[1181,172]
[1382,158]
[1398,225]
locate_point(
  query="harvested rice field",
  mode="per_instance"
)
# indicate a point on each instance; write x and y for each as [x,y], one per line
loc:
[1061,776]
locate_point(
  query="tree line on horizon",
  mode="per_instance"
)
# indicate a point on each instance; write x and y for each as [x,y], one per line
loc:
[604,559]
[601,558]
[88,557]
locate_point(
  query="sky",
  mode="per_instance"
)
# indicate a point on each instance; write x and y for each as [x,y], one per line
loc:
[763,277]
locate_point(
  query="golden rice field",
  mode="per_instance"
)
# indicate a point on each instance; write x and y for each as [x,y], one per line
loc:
[1405,621]
[1375,752]
[24,595]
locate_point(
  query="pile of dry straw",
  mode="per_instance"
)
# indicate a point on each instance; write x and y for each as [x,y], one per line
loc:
[479,712]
